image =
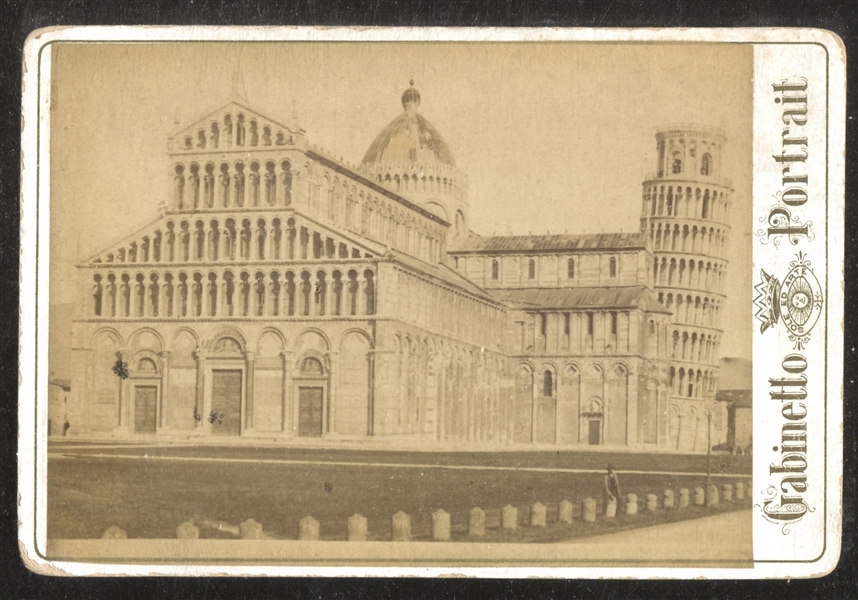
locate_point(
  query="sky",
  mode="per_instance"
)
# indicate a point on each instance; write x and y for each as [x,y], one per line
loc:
[552,136]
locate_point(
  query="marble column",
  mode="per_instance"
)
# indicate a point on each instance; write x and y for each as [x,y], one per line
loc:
[201,410]
[333,372]
[286,414]
[163,410]
[125,421]
[248,400]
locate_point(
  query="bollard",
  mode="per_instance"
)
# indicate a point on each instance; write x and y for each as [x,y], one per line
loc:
[684,498]
[631,504]
[740,491]
[441,525]
[651,502]
[357,528]
[509,517]
[668,499]
[699,496]
[712,495]
[611,509]
[187,531]
[477,521]
[250,530]
[537,515]
[401,527]
[564,512]
[727,491]
[114,533]
[588,509]
[308,529]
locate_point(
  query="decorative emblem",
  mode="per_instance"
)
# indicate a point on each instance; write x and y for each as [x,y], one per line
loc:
[797,301]
[783,514]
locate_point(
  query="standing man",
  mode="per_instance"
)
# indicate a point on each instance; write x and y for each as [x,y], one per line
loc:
[612,490]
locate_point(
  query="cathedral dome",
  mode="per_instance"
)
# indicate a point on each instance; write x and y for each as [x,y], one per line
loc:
[409,138]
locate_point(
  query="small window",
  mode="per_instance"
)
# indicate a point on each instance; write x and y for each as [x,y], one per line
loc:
[566,324]
[531,269]
[613,323]
[677,164]
[570,268]
[652,326]
[612,266]
[495,270]
[548,384]
[589,323]
[543,324]
[705,164]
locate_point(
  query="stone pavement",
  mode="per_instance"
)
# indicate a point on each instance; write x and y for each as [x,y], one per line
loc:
[722,537]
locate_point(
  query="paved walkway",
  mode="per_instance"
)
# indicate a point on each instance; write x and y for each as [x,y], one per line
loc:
[722,537]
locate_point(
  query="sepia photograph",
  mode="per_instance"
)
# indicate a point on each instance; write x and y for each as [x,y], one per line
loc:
[412,303]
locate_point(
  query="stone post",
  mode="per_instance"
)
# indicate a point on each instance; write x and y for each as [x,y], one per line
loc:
[564,512]
[537,515]
[684,499]
[308,529]
[441,525]
[114,533]
[699,496]
[401,527]
[509,517]
[187,531]
[631,504]
[651,502]
[250,530]
[668,499]
[588,509]
[712,495]
[740,491]
[477,522]
[611,509]
[727,490]
[357,528]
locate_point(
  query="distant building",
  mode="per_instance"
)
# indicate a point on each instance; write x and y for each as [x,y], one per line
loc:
[737,396]
[283,292]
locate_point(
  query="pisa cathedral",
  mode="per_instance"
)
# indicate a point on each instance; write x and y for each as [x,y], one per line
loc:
[282,292]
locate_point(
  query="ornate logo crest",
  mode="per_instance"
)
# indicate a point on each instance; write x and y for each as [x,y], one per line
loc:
[797,301]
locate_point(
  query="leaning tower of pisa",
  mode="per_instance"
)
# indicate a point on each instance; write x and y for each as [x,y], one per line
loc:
[686,209]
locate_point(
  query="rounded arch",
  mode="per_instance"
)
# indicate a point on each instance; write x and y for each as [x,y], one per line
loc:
[312,338]
[139,333]
[271,342]
[107,332]
[229,332]
[145,362]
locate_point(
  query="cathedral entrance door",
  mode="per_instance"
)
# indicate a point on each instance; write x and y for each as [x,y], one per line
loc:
[145,399]
[595,432]
[310,412]
[226,402]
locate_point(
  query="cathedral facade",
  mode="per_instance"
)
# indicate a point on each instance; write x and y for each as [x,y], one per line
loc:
[284,293]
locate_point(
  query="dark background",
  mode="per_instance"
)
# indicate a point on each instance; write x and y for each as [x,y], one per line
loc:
[19,18]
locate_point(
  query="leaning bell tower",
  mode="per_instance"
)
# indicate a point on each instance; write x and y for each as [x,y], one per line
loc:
[686,209]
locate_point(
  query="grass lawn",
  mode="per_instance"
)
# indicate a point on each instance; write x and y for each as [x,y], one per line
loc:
[149,498]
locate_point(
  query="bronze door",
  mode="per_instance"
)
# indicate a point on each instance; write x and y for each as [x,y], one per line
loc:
[145,400]
[595,437]
[310,412]
[225,416]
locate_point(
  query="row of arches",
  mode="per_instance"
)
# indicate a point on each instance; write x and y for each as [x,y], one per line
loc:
[691,383]
[233,238]
[573,404]
[682,238]
[695,347]
[325,292]
[354,208]
[692,310]
[685,201]
[236,184]
[690,274]
[228,132]
[676,157]
[687,427]
[575,331]
[426,181]
[444,388]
